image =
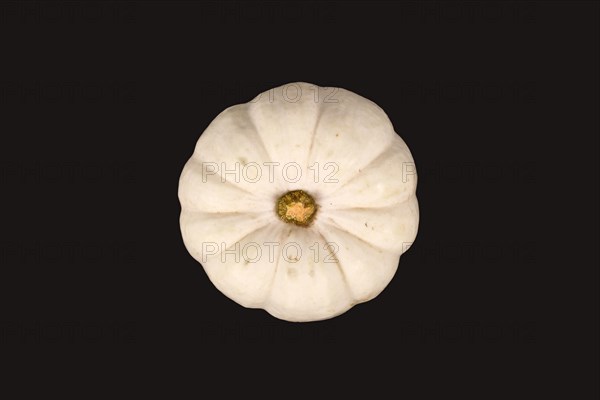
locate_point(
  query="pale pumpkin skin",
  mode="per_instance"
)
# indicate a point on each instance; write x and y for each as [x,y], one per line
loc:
[371,213]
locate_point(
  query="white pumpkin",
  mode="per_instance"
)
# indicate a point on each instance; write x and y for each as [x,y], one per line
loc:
[300,202]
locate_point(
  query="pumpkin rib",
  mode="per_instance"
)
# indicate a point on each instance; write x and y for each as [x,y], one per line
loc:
[351,178]
[216,130]
[345,219]
[340,268]
[263,146]
[227,273]
[196,159]
[186,223]
[281,237]
[261,141]
[190,192]
[331,223]
[399,203]
[314,134]
[267,223]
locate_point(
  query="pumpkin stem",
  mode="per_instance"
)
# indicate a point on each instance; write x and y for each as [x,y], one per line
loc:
[296,207]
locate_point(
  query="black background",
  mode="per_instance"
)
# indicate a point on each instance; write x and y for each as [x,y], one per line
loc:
[102,104]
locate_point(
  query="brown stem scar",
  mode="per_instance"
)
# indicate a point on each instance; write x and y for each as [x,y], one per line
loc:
[296,207]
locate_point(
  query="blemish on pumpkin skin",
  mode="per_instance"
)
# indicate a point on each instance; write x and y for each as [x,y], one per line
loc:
[311,271]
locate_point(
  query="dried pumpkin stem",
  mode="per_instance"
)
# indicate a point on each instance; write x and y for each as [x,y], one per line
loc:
[296,207]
